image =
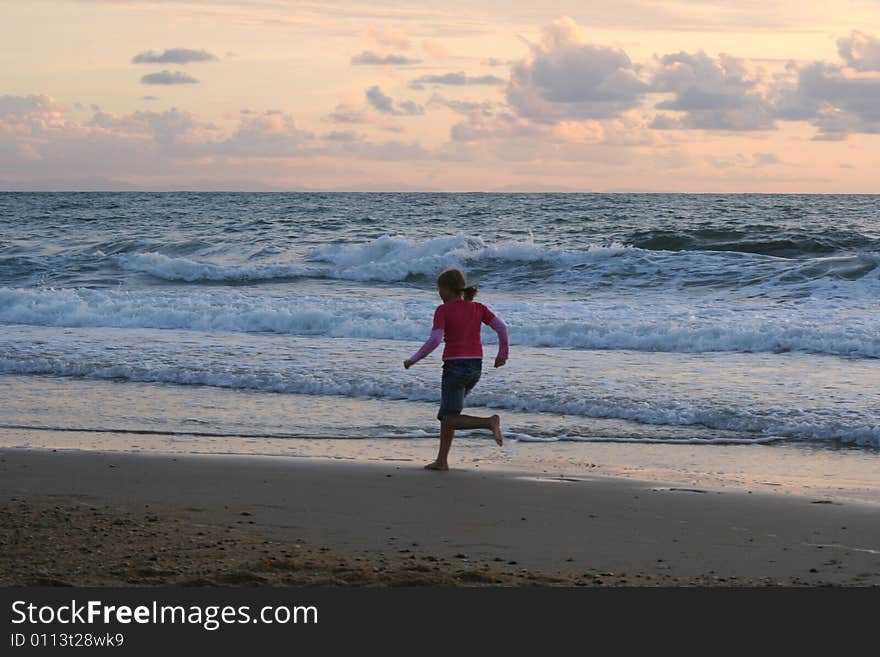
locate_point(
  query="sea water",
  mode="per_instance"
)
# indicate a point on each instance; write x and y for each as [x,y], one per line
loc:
[648,319]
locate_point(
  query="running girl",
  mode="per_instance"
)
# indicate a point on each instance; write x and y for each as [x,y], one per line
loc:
[459,320]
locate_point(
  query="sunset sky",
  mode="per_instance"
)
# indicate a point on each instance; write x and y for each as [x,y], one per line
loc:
[631,95]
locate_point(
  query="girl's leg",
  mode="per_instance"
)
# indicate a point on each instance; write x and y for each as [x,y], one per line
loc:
[455,386]
[447,435]
[471,422]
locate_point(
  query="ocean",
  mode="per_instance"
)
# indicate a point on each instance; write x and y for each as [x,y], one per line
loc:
[258,319]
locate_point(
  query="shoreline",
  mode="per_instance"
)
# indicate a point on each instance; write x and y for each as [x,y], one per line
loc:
[839,474]
[164,519]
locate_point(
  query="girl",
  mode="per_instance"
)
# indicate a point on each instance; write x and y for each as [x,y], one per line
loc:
[459,319]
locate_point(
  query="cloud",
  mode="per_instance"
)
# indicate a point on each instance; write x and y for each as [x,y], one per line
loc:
[168,77]
[173,56]
[564,140]
[740,160]
[728,93]
[28,122]
[836,100]
[459,79]
[37,129]
[485,107]
[435,49]
[723,93]
[42,146]
[270,134]
[379,100]
[409,108]
[666,122]
[346,136]
[504,125]
[385,104]
[37,110]
[387,151]
[347,114]
[370,58]
[763,158]
[565,78]
[174,130]
[391,37]
[860,51]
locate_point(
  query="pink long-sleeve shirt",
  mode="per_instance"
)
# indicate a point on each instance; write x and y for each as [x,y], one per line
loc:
[459,322]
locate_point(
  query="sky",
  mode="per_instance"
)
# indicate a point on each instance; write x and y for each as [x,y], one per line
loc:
[557,95]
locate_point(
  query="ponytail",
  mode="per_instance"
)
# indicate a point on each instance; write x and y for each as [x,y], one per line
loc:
[455,281]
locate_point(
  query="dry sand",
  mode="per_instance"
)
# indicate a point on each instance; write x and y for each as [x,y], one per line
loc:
[86,518]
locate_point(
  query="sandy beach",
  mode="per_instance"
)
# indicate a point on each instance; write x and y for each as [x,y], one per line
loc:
[86,518]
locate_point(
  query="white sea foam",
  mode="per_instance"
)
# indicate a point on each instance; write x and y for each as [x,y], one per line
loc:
[745,440]
[575,325]
[185,269]
[392,259]
[560,325]
[383,259]
[767,424]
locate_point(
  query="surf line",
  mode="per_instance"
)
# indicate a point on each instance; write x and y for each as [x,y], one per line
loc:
[151,432]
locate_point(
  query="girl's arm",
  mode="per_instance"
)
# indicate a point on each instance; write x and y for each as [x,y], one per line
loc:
[497,324]
[430,345]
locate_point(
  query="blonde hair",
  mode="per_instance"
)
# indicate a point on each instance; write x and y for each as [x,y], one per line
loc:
[455,281]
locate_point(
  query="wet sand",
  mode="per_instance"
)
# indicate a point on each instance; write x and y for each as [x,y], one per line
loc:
[86,518]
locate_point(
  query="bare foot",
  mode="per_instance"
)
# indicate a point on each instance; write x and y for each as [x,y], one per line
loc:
[496,429]
[437,466]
